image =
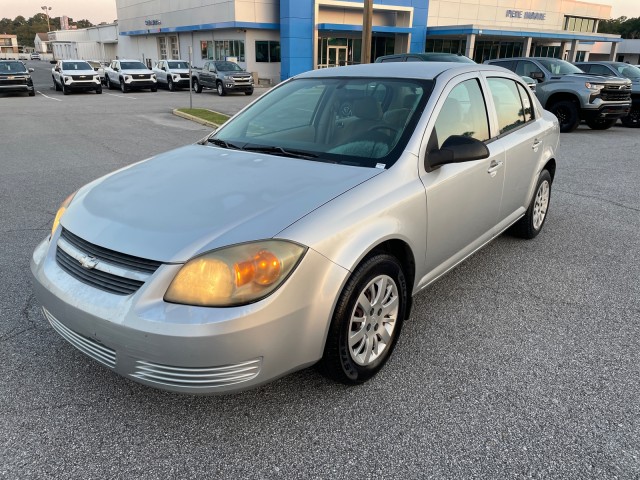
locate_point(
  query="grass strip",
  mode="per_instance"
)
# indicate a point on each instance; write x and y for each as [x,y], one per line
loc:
[204,114]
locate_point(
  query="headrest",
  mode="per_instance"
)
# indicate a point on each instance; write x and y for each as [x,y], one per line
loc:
[367,108]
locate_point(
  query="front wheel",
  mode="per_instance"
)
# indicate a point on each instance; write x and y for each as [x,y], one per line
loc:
[530,225]
[154,89]
[601,123]
[633,119]
[55,84]
[170,85]
[107,83]
[567,114]
[249,93]
[123,86]
[65,90]
[196,86]
[366,322]
[221,90]
[99,90]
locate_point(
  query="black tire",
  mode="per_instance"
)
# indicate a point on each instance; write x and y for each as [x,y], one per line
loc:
[528,227]
[568,115]
[55,84]
[170,85]
[633,119]
[196,85]
[249,93]
[65,90]
[123,86]
[32,93]
[338,360]
[220,89]
[601,123]
[107,82]
[99,90]
[154,89]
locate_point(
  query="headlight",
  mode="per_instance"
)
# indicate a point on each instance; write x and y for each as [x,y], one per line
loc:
[594,86]
[67,79]
[60,213]
[235,275]
[153,76]
[228,77]
[176,78]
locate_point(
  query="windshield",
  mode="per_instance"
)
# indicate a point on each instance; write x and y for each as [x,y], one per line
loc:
[559,67]
[133,66]
[354,121]
[228,67]
[627,71]
[12,67]
[76,66]
[184,65]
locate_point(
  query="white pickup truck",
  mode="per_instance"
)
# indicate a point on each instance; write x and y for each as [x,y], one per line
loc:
[70,75]
[172,73]
[129,75]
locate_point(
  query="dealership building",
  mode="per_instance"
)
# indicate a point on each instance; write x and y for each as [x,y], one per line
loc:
[280,38]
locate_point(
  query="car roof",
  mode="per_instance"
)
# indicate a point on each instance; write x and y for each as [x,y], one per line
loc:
[416,70]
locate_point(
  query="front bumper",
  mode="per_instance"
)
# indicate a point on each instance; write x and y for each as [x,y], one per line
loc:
[84,86]
[607,111]
[16,88]
[192,349]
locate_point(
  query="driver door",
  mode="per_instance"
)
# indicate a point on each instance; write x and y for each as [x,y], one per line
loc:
[463,199]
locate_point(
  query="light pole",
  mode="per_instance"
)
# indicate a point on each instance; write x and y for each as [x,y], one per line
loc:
[46,11]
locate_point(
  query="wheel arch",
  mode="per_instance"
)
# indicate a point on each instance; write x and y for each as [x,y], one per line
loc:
[562,96]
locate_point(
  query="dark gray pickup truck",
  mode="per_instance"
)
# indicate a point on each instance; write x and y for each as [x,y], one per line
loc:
[573,95]
[223,76]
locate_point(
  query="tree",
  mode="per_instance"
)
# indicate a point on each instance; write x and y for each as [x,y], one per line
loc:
[627,28]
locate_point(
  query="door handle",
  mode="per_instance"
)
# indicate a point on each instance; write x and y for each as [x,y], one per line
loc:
[536,144]
[494,166]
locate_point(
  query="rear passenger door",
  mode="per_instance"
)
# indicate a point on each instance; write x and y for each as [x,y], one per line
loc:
[463,199]
[517,133]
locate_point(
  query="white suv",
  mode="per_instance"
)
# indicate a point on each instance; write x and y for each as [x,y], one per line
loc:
[69,75]
[172,73]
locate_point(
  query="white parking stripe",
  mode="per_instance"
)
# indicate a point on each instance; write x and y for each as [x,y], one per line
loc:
[122,96]
[50,98]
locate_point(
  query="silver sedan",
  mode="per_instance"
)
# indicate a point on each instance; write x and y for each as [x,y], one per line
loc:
[298,232]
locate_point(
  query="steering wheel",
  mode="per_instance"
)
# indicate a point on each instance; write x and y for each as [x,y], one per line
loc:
[394,131]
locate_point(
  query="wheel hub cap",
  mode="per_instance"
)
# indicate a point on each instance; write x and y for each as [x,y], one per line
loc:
[373,320]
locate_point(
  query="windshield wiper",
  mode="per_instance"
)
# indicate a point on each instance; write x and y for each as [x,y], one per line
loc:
[279,151]
[223,144]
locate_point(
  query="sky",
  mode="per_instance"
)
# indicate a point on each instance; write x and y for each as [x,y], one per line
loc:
[97,11]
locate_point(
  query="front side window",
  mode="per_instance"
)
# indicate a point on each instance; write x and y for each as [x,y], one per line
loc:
[627,71]
[528,69]
[335,120]
[508,103]
[559,67]
[463,113]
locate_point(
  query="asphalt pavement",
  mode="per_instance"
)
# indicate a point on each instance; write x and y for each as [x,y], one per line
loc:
[523,362]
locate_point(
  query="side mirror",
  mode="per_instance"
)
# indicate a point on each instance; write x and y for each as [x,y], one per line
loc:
[539,76]
[31,70]
[57,69]
[53,62]
[116,69]
[457,149]
[95,69]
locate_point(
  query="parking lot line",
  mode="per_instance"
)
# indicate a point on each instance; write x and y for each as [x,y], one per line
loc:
[122,96]
[46,96]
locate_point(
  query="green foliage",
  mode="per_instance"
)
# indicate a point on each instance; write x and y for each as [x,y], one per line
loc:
[628,28]
[26,29]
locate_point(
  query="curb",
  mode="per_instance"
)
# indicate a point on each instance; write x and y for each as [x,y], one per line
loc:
[197,119]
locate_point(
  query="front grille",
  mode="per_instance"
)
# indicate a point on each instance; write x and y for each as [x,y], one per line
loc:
[82,77]
[197,377]
[616,94]
[92,348]
[242,79]
[184,75]
[18,81]
[111,271]
[142,76]
[114,258]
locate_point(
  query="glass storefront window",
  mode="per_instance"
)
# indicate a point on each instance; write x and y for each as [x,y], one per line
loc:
[267,51]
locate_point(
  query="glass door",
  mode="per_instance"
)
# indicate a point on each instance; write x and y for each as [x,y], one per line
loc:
[337,56]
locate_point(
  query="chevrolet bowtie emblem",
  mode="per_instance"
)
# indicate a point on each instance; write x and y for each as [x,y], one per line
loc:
[88,262]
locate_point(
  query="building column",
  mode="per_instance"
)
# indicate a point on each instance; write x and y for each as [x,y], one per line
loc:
[564,46]
[471,45]
[614,51]
[526,51]
[573,51]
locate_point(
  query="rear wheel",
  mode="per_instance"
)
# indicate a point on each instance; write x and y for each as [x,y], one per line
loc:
[567,114]
[221,90]
[530,225]
[601,123]
[366,322]
[633,119]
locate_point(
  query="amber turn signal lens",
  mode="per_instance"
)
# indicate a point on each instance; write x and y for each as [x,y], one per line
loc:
[263,269]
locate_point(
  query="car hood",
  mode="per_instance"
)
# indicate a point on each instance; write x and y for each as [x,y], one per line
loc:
[136,71]
[590,77]
[235,73]
[91,72]
[198,198]
[178,70]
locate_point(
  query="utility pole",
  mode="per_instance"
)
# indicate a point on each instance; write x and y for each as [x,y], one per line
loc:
[367,22]
[46,11]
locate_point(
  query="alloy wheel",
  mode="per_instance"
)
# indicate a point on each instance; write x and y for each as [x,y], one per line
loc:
[540,205]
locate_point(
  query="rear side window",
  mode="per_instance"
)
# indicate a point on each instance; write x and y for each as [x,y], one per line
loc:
[414,59]
[527,69]
[508,102]
[527,105]
[464,113]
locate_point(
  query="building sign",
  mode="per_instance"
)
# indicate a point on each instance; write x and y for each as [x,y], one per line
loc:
[150,23]
[526,15]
